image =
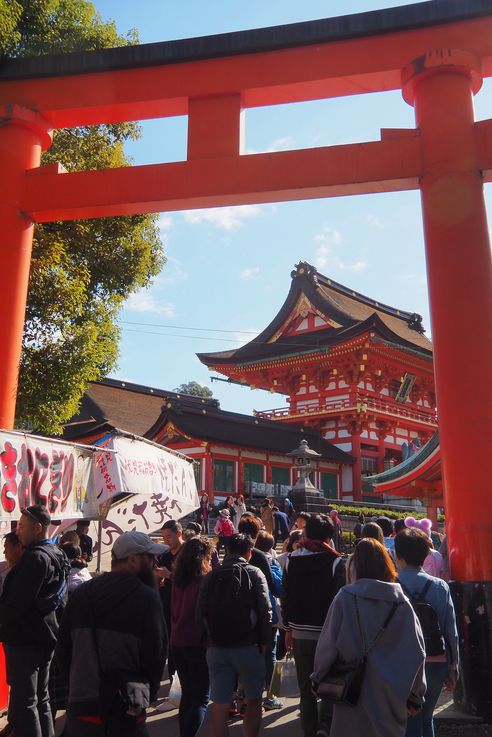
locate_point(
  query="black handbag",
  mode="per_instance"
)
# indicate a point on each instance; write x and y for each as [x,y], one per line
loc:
[343,682]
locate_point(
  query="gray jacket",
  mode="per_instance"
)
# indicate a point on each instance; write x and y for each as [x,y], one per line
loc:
[395,664]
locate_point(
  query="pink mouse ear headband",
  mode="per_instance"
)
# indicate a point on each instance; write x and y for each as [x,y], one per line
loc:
[420,524]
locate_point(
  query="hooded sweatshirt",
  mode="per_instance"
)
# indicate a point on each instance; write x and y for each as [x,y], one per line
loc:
[37,576]
[124,617]
[395,663]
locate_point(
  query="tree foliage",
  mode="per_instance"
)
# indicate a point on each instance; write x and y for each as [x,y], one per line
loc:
[195,389]
[82,271]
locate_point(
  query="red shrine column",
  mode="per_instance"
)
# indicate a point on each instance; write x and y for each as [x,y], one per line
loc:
[23,136]
[441,85]
[357,467]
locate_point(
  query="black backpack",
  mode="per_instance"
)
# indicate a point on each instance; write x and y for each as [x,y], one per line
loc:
[230,616]
[429,621]
[54,596]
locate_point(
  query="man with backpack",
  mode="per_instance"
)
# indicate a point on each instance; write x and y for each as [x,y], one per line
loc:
[431,600]
[235,610]
[313,575]
[34,589]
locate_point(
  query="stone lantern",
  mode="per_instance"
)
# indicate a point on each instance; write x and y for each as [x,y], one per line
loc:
[304,496]
[305,462]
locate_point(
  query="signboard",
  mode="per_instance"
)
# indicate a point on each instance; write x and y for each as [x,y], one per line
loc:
[161,483]
[37,470]
[141,467]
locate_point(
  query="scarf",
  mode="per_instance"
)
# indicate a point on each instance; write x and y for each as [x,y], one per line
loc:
[317,546]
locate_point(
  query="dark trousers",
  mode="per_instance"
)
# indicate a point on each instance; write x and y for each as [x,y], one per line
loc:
[28,670]
[192,669]
[124,726]
[311,721]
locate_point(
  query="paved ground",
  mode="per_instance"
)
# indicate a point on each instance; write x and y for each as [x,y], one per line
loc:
[285,722]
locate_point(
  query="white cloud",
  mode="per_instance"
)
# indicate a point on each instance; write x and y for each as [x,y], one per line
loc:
[145,302]
[286,143]
[330,240]
[171,273]
[225,218]
[241,338]
[165,221]
[373,222]
[250,273]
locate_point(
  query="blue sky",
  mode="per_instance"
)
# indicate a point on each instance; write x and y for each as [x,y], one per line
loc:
[229,268]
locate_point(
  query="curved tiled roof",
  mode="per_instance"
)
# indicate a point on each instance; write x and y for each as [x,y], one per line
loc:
[353,312]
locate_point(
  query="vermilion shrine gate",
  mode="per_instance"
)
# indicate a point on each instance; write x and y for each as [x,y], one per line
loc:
[436,52]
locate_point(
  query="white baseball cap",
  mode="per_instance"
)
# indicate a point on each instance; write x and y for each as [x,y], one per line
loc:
[136,543]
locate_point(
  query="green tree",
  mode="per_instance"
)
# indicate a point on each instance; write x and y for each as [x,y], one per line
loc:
[195,389]
[81,271]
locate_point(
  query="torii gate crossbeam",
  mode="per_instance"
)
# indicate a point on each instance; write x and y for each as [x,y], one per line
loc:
[436,52]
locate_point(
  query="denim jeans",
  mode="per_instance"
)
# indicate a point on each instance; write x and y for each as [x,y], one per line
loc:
[422,725]
[311,721]
[270,657]
[28,670]
[191,666]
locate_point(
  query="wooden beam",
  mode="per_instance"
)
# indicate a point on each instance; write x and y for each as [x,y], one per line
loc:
[380,166]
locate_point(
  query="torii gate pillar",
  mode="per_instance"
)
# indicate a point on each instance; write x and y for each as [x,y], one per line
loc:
[24,134]
[441,85]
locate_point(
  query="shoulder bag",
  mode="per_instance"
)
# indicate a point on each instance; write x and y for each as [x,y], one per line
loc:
[343,682]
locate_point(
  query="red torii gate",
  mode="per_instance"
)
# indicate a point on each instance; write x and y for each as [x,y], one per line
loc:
[437,53]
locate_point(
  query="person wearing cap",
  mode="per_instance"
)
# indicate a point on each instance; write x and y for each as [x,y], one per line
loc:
[224,528]
[31,594]
[113,625]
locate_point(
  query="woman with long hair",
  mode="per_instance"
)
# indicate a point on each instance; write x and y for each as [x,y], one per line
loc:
[239,510]
[203,513]
[371,617]
[188,651]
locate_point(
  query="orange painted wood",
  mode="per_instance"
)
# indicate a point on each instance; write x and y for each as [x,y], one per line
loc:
[459,272]
[358,168]
[349,67]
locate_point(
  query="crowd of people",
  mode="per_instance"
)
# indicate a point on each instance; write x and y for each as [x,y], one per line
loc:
[97,646]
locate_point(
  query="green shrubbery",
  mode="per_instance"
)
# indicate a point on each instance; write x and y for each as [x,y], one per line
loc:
[379,512]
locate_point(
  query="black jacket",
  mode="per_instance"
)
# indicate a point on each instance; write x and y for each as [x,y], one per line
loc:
[310,583]
[124,616]
[259,560]
[37,575]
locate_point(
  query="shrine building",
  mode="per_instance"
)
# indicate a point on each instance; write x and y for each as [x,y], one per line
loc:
[355,370]
[236,453]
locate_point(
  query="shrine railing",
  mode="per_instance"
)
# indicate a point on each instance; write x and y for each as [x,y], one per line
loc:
[359,405]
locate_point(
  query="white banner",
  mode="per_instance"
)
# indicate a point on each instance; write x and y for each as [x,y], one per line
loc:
[165,481]
[36,470]
[164,485]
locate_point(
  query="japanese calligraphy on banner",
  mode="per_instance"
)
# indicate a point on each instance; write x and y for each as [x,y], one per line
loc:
[165,482]
[38,471]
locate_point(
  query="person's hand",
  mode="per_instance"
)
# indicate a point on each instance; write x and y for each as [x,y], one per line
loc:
[162,573]
[450,682]
[289,641]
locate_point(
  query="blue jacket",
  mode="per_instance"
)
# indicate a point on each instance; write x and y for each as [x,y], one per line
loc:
[439,597]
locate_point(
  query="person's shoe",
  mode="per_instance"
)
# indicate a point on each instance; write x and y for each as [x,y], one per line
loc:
[273,703]
[242,710]
[233,710]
